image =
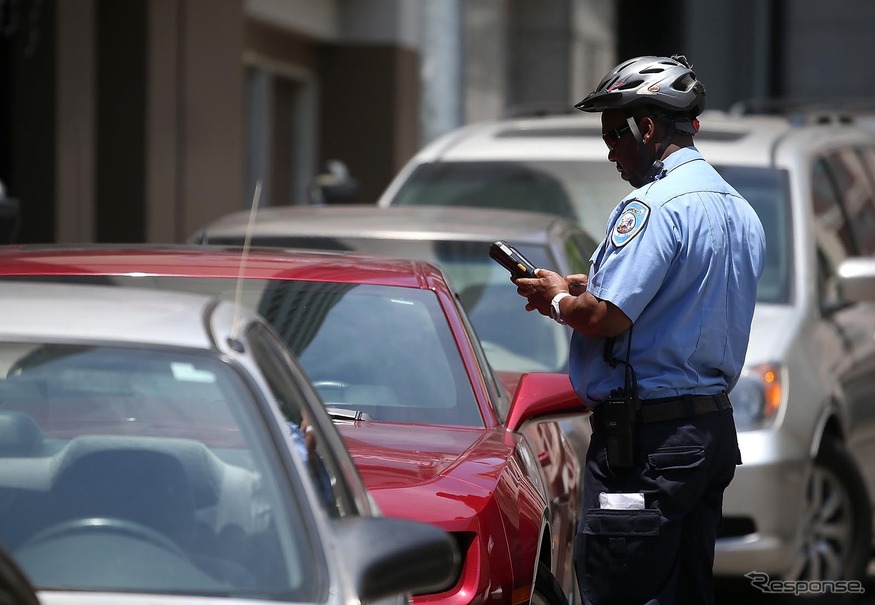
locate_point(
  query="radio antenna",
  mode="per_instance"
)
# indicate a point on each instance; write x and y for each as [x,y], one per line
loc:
[233,342]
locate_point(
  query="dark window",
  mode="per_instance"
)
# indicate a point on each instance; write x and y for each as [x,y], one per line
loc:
[851,182]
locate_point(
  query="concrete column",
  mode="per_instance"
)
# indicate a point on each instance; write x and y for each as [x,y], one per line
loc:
[442,72]
[485,59]
[540,50]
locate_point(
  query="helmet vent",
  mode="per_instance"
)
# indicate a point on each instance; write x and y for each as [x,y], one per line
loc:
[683,83]
[653,70]
[609,84]
[631,85]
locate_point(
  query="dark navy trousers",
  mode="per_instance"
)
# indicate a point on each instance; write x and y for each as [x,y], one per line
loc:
[663,554]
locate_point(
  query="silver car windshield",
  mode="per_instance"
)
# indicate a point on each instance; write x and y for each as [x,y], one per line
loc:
[138,470]
[589,191]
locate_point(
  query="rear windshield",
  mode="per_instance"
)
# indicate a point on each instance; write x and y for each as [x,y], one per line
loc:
[588,191]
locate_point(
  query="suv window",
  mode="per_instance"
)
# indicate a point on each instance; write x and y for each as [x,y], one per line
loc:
[767,191]
[832,228]
[848,173]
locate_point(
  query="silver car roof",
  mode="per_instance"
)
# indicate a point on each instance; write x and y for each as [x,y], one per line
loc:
[108,314]
[395,222]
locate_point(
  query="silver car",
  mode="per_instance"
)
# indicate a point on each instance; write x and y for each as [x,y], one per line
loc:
[800,507]
[166,447]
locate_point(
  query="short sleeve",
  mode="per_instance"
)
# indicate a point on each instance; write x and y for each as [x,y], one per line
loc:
[636,259]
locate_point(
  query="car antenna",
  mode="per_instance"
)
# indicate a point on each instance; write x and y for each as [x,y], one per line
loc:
[233,341]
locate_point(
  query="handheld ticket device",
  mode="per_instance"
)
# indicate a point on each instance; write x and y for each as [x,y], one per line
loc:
[509,257]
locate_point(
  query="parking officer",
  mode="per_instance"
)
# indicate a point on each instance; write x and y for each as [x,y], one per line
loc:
[661,326]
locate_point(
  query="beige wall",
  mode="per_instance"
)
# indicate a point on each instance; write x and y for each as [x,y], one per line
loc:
[195,136]
[186,167]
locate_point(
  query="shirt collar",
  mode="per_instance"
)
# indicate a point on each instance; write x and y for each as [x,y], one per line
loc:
[681,156]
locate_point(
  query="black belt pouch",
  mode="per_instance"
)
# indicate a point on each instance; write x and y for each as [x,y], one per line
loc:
[618,421]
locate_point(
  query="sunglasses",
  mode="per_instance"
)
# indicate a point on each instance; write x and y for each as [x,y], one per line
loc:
[612,137]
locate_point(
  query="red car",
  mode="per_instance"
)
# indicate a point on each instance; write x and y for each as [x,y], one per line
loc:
[436,434]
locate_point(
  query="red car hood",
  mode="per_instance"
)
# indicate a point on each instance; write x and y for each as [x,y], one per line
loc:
[425,472]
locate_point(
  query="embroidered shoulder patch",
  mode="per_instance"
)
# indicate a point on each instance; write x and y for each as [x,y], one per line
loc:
[631,222]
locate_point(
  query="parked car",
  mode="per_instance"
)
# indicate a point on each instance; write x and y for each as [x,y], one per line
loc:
[433,431]
[458,240]
[797,508]
[146,449]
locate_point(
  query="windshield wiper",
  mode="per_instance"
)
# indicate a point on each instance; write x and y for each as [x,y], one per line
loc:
[347,414]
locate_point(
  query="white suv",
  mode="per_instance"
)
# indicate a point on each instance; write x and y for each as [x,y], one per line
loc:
[800,507]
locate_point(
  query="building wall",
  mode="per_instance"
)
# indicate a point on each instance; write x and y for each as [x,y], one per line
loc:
[827,50]
[142,120]
[351,75]
[120,104]
[75,111]
[156,116]
[369,106]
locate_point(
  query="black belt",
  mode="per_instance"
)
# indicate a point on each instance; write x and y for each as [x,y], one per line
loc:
[675,408]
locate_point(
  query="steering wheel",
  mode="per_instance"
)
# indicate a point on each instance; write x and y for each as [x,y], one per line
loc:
[112,525]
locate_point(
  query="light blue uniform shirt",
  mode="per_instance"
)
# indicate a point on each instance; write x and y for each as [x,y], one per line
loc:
[681,258]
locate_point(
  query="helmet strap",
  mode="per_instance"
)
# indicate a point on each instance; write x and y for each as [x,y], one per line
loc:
[653,164]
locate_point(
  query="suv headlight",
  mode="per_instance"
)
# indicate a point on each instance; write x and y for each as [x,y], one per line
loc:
[757,396]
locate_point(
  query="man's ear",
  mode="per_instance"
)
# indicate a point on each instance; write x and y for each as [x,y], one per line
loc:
[648,128]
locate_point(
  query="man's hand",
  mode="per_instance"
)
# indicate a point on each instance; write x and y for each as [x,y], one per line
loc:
[576,283]
[586,313]
[541,290]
